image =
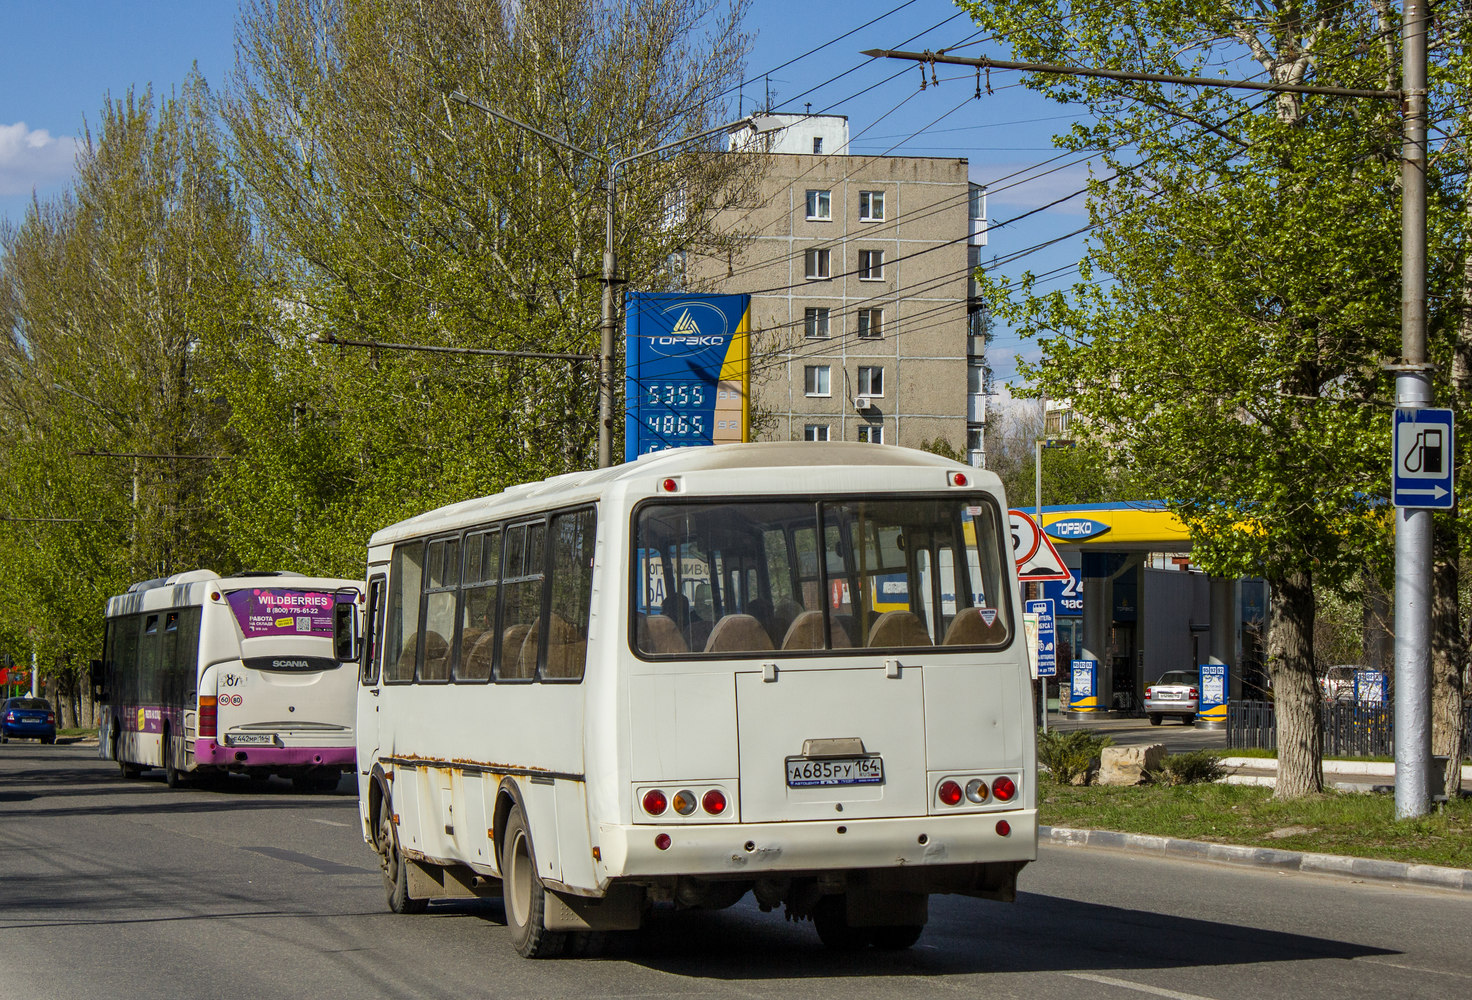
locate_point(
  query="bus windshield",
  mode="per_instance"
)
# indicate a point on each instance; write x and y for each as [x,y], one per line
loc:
[731,577]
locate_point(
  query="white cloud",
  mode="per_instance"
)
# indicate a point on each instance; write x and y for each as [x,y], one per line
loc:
[32,158]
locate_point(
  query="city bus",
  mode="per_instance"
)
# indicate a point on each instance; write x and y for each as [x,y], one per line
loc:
[202,674]
[789,670]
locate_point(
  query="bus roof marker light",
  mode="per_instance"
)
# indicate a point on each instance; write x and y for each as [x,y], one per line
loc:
[670,485]
[959,479]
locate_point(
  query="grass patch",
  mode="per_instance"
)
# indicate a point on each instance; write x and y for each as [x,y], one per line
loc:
[1355,824]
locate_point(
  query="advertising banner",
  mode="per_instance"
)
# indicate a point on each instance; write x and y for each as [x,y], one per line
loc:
[1083,692]
[1369,687]
[261,612]
[1047,639]
[686,377]
[1213,704]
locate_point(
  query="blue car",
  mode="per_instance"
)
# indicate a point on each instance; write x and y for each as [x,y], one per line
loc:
[27,719]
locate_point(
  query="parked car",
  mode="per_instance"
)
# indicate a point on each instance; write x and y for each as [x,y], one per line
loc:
[27,719]
[1337,684]
[1173,694]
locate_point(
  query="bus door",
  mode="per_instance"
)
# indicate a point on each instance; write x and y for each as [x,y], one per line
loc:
[370,674]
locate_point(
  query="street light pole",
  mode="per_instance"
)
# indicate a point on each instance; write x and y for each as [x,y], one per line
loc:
[1413,526]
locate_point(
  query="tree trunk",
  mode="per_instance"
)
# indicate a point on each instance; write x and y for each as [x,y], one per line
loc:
[1448,657]
[1296,692]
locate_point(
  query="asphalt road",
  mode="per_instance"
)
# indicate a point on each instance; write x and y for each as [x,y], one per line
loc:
[124,889]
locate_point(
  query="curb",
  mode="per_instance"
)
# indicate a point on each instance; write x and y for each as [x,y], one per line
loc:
[1425,876]
[1376,768]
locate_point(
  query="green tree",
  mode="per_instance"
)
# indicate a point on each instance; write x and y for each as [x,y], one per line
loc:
[394,214]
[1234,308]
[109,296]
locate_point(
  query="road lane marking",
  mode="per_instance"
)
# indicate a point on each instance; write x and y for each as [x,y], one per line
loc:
[328,822]
[1125,984]
[1413,968]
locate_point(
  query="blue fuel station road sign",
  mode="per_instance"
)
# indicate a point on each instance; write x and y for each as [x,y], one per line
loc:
[1423,452]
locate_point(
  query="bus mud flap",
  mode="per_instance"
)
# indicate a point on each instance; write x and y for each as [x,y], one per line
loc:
[621,910]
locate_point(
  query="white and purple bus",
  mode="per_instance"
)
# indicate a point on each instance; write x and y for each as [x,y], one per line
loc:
[250,674]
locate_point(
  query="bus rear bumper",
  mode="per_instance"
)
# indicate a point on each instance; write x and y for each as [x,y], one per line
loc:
[737,850]
[209,753]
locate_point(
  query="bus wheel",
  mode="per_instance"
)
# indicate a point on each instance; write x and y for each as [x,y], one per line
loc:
[897,937]
[830,917]
[127,770]
[523,894]
[173,777]
[395,868]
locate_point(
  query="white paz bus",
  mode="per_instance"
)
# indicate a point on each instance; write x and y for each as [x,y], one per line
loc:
[253,674]
[790,670]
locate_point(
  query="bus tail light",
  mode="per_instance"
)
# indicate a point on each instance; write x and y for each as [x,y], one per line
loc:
[654,802]
[1004,788]
[976,790]
[208,717]
[714,802]
[949,792]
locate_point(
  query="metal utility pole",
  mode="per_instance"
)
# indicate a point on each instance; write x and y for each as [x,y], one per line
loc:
[1413,526]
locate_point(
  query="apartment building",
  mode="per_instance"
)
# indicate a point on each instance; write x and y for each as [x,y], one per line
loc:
[864,317]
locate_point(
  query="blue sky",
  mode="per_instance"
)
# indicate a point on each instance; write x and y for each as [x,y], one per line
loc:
[63,56]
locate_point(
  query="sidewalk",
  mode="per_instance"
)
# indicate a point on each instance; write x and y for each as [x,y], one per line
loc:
[1341,775]
[1398,872]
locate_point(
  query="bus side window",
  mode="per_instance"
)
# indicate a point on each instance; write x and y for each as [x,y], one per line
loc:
[477,624]
[372,632]
[572,595]
[521,602]
[441,583]
[401,643]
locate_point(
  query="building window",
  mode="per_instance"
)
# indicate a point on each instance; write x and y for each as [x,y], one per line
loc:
[817,264]
[871,380]
[820,205]
[871,323]
[817,144]
[871,433]
[975,438]
[977,199]
[815,323]
[815,380]
[871,206]
[871,265]
[815,432]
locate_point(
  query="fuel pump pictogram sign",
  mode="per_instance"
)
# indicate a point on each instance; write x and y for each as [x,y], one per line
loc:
[1423,453]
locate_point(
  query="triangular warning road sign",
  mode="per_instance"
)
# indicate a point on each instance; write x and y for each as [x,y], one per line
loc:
[1036,557]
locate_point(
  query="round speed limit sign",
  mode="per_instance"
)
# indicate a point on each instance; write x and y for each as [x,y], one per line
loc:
[1026,536]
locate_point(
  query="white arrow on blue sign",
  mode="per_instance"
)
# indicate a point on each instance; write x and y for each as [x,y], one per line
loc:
[1423,452]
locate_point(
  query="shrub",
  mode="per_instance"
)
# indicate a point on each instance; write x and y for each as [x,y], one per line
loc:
[1071,756]
[1192,768]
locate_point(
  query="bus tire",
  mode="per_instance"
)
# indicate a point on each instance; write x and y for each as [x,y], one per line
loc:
[173,777]
[395,867]
[830,917]
[523,895]
[126,769]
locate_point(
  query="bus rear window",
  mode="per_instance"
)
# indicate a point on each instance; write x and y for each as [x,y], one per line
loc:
[725,578]
[263,611]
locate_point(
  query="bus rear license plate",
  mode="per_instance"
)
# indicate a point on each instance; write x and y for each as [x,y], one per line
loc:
[803,771]
[253,740]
